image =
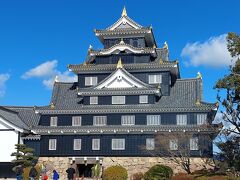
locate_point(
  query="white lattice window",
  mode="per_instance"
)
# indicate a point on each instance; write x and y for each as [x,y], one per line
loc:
[153,119]
[94,100]
[173,144]
[53,121]
[201,119]
[118,144]
[77,144]
[76,121]
[118,99]
[194,143]
[52,144]
[150,144]
[95,144]
[90,81]
[99,120]
[128,120]
[143,99]
[181,119]
[155,79]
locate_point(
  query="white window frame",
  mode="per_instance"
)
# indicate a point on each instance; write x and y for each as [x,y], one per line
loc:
[99,120]
[194,146]
[143,99]
[181,119]
[93,100]
[76,120]
[128,120]
[96,144]
[150,143]
[118,144]
[118,99]
[52,144]
[91,80]
[53,121]
[154,78]
[173,144]
[201,118]
[153,120]
[77,144]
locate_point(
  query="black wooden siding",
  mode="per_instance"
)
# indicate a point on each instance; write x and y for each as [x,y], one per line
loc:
[136,42]
[115,119]
[134,145]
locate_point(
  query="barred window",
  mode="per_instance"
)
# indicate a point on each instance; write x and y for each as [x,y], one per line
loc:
[77,144]
[52,144]
[118,144]
[194,143]
[128,120]
[143,99]
[173,144]
[155,79]
[181,119]
[150,144]
[153,119]
[76,121]
[118,99]
[94,100]
[95,144]
[99,120]
[90,81]
[53,121]
[201,119]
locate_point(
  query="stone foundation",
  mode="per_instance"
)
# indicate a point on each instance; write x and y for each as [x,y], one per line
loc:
[132,164]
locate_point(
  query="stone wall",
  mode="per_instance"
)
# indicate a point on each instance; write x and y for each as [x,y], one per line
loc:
[132,164]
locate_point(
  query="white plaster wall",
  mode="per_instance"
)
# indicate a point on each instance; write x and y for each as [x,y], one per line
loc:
[7,141]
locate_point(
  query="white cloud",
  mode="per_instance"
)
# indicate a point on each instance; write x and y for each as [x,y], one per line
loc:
[212,52]
[3,79]
[47,71]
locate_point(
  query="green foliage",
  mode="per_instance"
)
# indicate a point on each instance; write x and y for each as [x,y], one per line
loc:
[158,172]
[26,171]
[96,170]
[115,173]
[23,156]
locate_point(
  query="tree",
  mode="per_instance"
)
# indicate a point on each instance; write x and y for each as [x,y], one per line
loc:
[23,156]
[230,86]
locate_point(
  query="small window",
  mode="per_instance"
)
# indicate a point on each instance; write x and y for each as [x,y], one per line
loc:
[143,99]
[76,121]
[118,99]
[150,144]
[201,119]
[77,143]
[155,79]
[181,119]
[128,120]
[194,143]
[173,144]
[90,81]
[118,144]
[99,120]
[95,144]
[94,100]
[153,120]
[52,144]
[53,121]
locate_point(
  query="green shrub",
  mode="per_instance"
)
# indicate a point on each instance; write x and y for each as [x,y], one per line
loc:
[27,170]
[115,173]
[158,172]
[137,176]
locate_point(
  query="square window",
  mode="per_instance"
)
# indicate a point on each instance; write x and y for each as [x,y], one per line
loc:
[194,143]
[181,119]
[128,120]
[77,143]
[118,99]
[53,121]
[94,100]
[155,79]
[173,144]
[153,120]
[99,120]
[95,144]
[90,81]
[118,144]
[201,119]
[143,99]
[150,144]
[76,121]
[52,144]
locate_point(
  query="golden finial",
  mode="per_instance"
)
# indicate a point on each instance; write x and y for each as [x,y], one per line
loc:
[199,75]
[154,46]
[52,106]
[160,61]
[177,61]
[124,11]
[198,103]
[119,64]
[165,45]
[122,42]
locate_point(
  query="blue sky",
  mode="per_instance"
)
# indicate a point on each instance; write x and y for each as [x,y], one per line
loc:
[39,38]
